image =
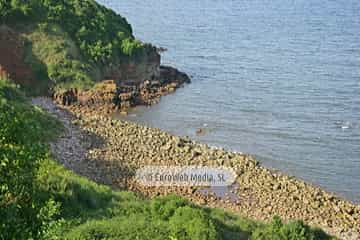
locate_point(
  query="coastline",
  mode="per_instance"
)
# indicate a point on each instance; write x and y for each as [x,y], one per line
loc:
[71,170]
[117,148]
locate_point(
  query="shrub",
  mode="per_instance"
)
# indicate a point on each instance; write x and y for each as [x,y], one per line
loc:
[130,46]
[165,207]
[296,230]
[23,214]
[135,226]
[190,223]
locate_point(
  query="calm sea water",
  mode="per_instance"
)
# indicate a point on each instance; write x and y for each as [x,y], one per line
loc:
[277,79]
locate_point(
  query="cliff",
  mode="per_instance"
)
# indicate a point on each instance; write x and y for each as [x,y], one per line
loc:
[66,48]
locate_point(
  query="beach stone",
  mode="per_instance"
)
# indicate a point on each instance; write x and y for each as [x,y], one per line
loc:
[124,145]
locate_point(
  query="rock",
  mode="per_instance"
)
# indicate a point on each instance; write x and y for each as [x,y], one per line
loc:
[200,131]
[336,208]
[276,186]
[170,74]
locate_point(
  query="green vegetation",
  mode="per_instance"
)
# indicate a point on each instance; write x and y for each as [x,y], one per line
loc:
[64,64]
[71,42]
[39,199]
[296,230]
[24,213]
[98,31]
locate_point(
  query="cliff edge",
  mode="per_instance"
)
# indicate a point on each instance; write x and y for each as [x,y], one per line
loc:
[66,49]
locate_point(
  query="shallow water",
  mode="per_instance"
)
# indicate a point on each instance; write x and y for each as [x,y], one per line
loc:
[278,79]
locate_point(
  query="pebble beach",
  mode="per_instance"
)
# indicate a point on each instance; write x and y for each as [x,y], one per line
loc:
[109,152]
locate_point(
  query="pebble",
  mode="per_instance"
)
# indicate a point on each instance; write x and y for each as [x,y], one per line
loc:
[129,146]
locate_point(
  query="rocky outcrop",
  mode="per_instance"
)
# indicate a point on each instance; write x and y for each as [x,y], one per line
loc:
[136,69]
[67,97]
[170,74]
[111,95]
[135,80]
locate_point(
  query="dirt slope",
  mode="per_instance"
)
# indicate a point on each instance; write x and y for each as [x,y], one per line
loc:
[12,52]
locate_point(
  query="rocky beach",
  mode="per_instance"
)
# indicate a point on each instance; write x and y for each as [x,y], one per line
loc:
[109,151]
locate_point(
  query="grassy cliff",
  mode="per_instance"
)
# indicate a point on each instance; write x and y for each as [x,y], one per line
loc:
[71,43]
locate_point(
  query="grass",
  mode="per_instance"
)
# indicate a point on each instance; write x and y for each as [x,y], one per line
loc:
[24,121]
[92,211]
[56,59]
[71,44]
[24,131]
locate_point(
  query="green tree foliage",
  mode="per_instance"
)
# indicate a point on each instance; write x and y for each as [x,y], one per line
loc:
[130,46]
[12,11]
[5,10]
[99,32]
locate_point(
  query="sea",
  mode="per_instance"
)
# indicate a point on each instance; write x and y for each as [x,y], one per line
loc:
[278,79]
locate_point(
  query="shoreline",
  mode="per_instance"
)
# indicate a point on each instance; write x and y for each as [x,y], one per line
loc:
[120,147]
[109,96]
[135,115]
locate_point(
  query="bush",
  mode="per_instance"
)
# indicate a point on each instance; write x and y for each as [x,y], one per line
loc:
[189,223]
[135,226]
[12,11]
[23,214]
[164,208]
[131,47]
[295,230]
